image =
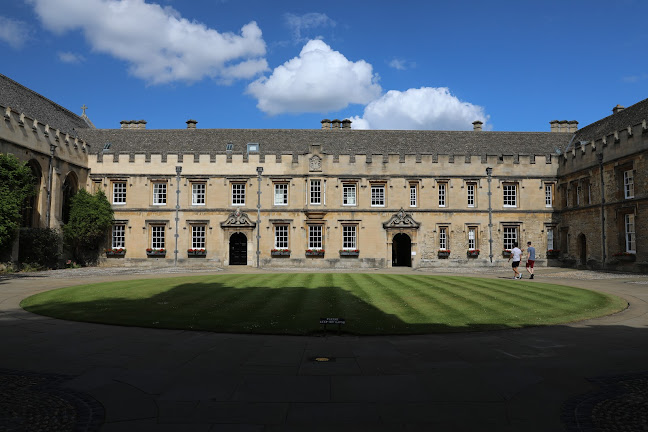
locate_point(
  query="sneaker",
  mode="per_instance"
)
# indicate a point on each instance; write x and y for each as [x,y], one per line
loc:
[531,276]
[519,277]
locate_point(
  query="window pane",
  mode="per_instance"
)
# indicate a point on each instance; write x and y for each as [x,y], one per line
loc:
[281,194]
[198,193]
[378,196]
[315,237]
[630,233]
[443,239]
[119,236]
[119,193]
[198,236]
[159,193]
[238,193]
[157,237]
[349,237]
[442,194]
[315,192]
[413,195]
[510,195]
[281,236]
[349,194]
[471,194]
[510,237]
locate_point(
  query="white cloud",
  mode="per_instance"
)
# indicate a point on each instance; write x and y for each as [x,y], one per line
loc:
[13,32]
[400,64]
[70,57]
[319,80]
[159,45]
[423,108]
[300,24]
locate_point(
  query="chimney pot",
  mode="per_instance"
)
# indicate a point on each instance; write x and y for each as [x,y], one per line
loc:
[346,124]
[191,124]
[477,125]
[326,124]
[617,109]
[336,123]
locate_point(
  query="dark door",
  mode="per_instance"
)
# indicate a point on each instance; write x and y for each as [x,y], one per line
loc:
[582,245]
[402,251]
[238,249]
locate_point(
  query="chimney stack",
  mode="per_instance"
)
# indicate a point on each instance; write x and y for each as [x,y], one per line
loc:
[617,109]
[133,124]
[569,126]
[336,124]
[346,124]
[477,125]
[191,124]
[326,124]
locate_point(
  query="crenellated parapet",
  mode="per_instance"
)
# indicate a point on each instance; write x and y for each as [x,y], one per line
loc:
[20,129]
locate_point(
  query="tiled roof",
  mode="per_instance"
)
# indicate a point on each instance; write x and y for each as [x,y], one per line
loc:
[630,116]
[21,99]
[289,141]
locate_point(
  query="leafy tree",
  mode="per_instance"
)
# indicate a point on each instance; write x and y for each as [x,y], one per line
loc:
[91,216]
[16,185]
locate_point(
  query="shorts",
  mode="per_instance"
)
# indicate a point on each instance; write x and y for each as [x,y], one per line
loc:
[515,264]
[530,263]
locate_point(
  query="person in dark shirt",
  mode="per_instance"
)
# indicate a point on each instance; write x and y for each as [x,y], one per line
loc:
[530,259]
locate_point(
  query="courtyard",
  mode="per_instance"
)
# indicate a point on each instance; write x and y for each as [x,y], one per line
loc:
[545,378]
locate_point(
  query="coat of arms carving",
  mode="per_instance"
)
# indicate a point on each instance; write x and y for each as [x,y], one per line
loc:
[315,163]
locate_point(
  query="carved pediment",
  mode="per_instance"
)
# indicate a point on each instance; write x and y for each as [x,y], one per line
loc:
[238,219]
[402,219]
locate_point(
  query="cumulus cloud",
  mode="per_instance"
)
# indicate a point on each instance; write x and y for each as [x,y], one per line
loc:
[159,45]
[300,24]
[423,108]
[13,32]
[319,80]
[70,57]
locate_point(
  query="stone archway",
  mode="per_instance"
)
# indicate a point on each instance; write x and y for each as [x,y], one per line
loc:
[238,249]
[70,187]
[31,206]
[401,250]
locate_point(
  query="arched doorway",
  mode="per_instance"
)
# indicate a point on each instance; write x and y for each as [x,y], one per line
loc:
[238,249]
[402,251]
[30,214]
[70,187]
[582,249]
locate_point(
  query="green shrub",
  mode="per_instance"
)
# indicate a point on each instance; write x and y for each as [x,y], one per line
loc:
[39,247]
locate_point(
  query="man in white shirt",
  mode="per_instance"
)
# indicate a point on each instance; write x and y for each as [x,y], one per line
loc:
[516,255]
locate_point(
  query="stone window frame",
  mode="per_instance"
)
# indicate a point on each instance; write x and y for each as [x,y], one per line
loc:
[443,231]
[442,187]
[549,193]
[413,194]
[472,227]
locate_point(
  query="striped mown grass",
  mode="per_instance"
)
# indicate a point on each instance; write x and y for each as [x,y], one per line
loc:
[293,303]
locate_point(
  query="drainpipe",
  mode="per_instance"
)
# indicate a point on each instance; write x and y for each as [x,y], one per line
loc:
[489,173]
[600,161]
[177,218]
[49,184]
[258,236]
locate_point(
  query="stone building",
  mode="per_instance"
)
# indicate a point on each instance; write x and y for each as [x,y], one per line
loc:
[335,197]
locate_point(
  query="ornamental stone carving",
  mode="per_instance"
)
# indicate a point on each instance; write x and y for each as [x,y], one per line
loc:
[238,219]
[402,219]
[315,163]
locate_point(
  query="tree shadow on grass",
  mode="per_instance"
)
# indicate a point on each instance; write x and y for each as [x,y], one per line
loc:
[218,307]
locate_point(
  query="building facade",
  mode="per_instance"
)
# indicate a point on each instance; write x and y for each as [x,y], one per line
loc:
[335,197]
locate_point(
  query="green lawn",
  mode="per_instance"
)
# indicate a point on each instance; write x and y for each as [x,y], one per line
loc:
[293,303]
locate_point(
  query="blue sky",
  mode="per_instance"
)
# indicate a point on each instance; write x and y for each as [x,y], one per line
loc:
[516,65]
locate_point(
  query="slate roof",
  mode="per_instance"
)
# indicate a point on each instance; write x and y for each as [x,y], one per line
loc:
[349,141]
[21,99]
[630,116]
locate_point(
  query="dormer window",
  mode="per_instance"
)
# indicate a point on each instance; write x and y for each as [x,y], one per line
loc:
[253,148]
[229,147]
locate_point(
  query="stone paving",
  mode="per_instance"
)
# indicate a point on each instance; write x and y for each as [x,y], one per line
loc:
[582,376]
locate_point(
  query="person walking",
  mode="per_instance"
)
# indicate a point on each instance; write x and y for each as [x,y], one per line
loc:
[516,255]
[530,259]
